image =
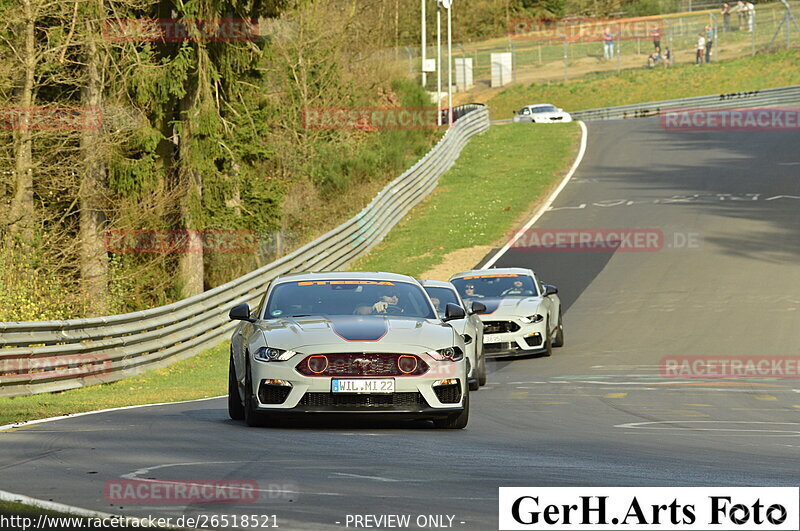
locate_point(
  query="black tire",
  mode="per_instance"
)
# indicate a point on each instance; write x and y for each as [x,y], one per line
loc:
[235,406]
[548,342]
[482,369]
[558,341]
[474,385]
[253,418]
[456,421]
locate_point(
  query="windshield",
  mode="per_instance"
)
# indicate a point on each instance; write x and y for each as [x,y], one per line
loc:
[441,297]
[545,108]
[347,297]
[496,285]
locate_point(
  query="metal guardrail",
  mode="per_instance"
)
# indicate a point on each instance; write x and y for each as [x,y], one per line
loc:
[756,98]
[44,356]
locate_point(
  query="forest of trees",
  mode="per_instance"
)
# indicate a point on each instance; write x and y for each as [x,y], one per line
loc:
[114,124]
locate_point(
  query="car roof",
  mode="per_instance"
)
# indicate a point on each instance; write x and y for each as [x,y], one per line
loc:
[438,284]
[541,105]
[346,275]
[494,271]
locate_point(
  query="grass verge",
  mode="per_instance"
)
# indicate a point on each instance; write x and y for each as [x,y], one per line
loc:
[642,85]
[201,376]
[494,181]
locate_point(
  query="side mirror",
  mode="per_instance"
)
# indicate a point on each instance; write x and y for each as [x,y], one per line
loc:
[453,312]
[550,290]
[241,312]
[477,307]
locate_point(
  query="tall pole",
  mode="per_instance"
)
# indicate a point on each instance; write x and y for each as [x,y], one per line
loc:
[449,65]
[438,64]
[424,45]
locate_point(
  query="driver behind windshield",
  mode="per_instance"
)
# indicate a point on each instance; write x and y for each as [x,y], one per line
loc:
[386,303]
[517,289]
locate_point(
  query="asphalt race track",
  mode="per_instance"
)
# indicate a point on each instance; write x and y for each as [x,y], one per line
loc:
[599,412]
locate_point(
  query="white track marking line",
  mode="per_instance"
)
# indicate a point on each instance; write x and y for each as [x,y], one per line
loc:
[549,202]
[7,427]
[375,478]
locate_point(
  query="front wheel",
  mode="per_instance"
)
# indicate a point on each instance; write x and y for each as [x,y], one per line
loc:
[456,421]
[252,417]
[548,341]
[235,406]
[482,369]
[558,341]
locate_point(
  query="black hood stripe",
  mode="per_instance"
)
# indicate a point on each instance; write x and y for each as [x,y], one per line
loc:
[360,328]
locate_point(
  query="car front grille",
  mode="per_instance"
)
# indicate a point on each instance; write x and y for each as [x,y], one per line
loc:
[364,364]
[448,394]
[366,401]
[499,327]
[491,348]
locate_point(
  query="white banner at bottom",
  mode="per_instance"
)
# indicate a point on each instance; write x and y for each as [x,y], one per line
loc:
[650,508]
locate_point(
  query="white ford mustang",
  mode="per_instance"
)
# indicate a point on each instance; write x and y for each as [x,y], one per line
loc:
[347,343]
[522,316]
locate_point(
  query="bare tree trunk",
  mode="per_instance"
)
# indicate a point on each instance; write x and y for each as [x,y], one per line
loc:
[190,261]
[21,211]
[93,255]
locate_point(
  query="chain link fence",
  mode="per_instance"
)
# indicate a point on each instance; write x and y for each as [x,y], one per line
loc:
[573,47]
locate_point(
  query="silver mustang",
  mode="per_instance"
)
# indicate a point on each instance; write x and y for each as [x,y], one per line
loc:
[347,343]
[521,316]
[471,327]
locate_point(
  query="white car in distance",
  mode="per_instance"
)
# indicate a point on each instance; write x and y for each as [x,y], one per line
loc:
[542,113]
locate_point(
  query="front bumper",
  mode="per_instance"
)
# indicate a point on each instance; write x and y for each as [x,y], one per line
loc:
[526,339]
[413,396]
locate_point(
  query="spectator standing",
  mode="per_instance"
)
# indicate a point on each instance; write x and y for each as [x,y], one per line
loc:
[656,35]
[701,49]
[741,11]
[751,16]
[726,17]
[608,44]
[709,42]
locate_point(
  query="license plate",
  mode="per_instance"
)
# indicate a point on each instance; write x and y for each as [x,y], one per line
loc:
[362,385]
[492,339]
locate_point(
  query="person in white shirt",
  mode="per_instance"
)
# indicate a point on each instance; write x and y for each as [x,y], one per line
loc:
[751,16]
[701,49]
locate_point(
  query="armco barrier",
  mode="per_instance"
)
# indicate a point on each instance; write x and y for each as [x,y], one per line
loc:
[43,356]
[756,98]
